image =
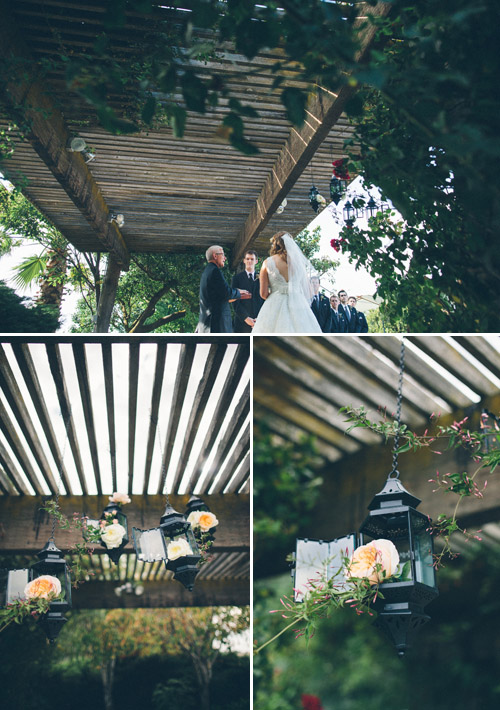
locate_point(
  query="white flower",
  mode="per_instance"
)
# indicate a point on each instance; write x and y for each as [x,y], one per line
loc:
[113,535]
[376,561]
[194,518]
[178,548]
[120,498]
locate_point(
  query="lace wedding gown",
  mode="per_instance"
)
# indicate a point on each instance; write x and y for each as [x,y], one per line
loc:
[286,309]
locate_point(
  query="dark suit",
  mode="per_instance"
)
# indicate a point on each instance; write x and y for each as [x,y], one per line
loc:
[215,293]
[350,322]
[361,326]
[321,308]
[339,324]
[250,307]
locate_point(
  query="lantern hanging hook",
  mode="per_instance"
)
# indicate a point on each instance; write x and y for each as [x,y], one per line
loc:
[395,473]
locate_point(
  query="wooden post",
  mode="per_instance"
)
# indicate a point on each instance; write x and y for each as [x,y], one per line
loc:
[108,294]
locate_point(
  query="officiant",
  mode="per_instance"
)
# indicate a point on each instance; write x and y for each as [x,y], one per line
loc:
[246,312]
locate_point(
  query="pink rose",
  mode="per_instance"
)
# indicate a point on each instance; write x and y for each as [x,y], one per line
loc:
[376,561]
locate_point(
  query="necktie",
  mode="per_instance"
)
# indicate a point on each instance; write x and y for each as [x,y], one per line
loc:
[348,312]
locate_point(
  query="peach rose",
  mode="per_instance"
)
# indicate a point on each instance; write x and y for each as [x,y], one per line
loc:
[202,519]
[41,587]
[207,520]
[113,535]
[371,561]
[120,498]
[178,548]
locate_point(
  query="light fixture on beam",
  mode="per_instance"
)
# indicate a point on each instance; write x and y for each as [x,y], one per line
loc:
[118,219]
[76,144]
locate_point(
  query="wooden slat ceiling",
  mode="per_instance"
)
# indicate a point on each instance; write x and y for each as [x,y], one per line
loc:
[301,382]
[150,415]
[174,194]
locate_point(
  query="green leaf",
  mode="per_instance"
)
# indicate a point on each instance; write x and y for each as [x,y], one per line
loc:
[243,110]
[243,145]
[194,91]
[406,572]
[294,101]
[112,123]
[178,117]
[148,110]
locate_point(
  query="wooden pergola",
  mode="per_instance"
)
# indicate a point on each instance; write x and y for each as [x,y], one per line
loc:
[89,415]
[300,383]
[175,195]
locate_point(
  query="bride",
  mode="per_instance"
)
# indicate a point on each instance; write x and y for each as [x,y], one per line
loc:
[284,285]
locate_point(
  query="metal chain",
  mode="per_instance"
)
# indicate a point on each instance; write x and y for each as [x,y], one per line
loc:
[395,473]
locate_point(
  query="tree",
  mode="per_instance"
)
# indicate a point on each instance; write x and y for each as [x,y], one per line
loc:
[159,293]
[19,316]
[309,241]
[202,634]
[98,639]
[57,264]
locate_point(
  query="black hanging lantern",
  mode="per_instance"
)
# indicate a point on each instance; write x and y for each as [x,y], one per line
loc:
[200,526]
[174,543]
[51,565]
[371,208]
[393,516]
[490,426]
[110,530]
[395,524]
[338,187]
[313,198]
[113,511]
[348,213]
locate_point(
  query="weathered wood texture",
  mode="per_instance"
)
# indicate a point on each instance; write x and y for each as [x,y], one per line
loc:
[33,107]
[176,195]
[24,527]
[164,594]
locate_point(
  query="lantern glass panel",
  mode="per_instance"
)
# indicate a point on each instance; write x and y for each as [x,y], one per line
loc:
[181,545]
[55,567]
[393,526]
[316,559]
[423,550]
[149,544]
[12,585]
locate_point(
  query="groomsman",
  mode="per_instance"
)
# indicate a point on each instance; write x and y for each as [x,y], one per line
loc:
[361,326]
[320,306]
[215,295]
[246,312]
[339,324]
[346,312]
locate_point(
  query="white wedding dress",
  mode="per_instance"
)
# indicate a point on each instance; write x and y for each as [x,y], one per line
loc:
[287,309]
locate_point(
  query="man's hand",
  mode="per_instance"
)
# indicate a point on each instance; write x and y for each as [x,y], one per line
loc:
[245,294]
[250,321]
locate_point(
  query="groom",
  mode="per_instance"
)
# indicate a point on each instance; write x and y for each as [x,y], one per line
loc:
[215,295]
[246,312]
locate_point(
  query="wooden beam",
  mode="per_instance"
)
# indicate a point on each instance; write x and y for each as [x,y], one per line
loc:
[323,112]
[164,594]
[26,528]
[26,98]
